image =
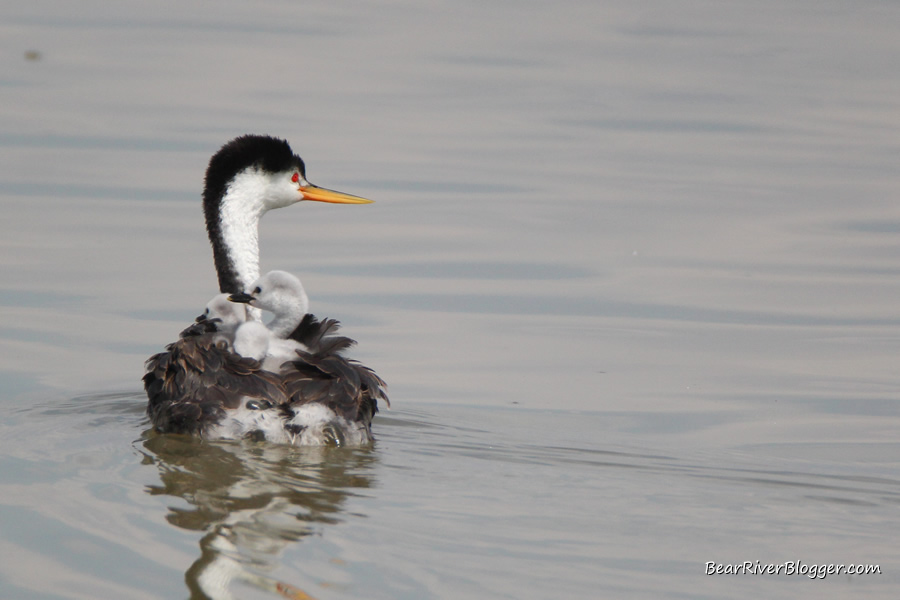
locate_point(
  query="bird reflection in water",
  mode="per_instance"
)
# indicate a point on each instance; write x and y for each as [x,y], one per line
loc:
[252,500]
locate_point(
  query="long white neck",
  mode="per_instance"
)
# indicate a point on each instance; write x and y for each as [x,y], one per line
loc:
[240,236]
[240,210]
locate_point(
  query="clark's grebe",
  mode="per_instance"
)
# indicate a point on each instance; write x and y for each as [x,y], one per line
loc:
[200,385]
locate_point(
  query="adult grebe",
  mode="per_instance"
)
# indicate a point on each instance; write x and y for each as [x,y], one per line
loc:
[200,386]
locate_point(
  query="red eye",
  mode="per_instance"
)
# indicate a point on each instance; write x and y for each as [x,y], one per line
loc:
[296,177]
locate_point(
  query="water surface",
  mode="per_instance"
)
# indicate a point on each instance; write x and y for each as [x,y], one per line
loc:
[632,277]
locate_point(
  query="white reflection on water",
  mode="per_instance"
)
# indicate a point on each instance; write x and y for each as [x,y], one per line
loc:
[249,501]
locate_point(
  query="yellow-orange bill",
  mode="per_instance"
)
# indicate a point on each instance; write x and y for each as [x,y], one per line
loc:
[314,192]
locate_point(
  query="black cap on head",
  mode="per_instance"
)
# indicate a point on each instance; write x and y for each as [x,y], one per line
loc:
[262,151]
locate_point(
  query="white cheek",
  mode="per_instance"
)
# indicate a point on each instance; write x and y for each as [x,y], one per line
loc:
[282,192]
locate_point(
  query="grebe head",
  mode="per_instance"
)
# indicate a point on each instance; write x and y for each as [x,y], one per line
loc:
[229,314]
[280,293]
[246,178]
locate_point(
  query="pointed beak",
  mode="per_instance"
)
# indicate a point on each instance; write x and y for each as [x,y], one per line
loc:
[314,192]
[241,297]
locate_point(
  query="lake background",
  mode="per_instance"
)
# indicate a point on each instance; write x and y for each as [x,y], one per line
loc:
[632,275]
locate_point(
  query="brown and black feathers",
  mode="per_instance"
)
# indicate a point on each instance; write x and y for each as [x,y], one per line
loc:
[193,384]
[324,375]
[198,378]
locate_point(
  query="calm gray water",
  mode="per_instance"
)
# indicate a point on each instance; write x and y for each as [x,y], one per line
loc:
[632,276]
